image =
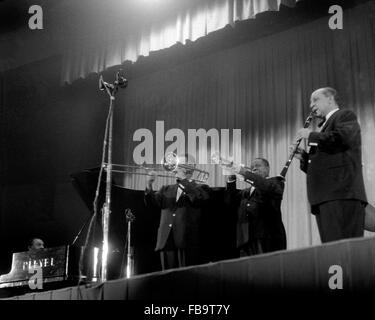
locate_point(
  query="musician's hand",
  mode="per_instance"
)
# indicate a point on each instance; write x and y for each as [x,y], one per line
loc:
[227,171]
[298,153]
[303,133]
[150,179]
[237,168]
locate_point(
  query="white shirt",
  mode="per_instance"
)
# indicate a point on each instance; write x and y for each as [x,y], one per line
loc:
[180,190]
[252,189]
[179,193]
[329,114]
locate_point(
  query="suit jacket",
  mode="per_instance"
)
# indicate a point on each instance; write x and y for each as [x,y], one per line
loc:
[334,162]
[259,213]
[182,218]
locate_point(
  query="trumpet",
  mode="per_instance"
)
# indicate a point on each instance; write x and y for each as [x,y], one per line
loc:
[228,164]
[170,164]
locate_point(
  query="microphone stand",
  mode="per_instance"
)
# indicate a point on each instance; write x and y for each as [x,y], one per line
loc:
[111,90]
[129,250]
[80,231]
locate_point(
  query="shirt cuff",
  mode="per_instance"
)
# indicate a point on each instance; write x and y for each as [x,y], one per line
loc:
[313,139]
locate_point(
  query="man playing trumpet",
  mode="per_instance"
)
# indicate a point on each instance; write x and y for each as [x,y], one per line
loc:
[178,238]
[259,224]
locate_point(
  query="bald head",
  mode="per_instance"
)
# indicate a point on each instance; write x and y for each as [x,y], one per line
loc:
[323,101]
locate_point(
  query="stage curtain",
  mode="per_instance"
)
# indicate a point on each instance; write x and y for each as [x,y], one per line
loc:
[115,31]
[262,88]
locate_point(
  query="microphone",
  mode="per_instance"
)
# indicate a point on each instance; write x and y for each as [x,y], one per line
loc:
[103,84]
[121,81]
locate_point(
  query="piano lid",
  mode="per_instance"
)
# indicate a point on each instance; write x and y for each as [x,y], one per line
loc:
[85,183]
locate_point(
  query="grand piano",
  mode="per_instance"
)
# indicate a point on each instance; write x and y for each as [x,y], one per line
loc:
[60,264]
[218,241]
[52,265]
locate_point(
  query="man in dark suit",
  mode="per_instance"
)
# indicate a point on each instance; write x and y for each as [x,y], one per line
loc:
[259,224]
[333,165]
[181,204]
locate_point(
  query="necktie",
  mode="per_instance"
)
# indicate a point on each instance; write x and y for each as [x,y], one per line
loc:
[179,193]
[321,123]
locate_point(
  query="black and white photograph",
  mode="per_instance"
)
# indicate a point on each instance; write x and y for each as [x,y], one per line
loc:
[187,155]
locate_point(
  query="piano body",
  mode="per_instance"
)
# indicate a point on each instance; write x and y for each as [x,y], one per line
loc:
[58,265]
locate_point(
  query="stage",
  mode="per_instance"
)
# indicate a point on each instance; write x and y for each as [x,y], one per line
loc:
[323,269]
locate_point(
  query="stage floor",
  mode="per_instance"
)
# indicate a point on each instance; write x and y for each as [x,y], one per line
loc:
[343,266]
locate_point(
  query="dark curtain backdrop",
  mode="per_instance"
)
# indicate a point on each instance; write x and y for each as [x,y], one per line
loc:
[47,133]
[262,88]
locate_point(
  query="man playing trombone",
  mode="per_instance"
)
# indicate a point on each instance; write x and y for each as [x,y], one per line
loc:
[178,238]
[259,224]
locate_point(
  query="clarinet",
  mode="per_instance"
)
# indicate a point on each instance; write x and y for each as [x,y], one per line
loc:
[292,154]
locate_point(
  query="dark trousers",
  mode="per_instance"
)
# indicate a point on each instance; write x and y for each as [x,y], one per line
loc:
[251,248]
[340,219]
[172,257]
[262,245]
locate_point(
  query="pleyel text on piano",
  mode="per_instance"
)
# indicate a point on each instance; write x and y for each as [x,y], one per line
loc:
[58,264]
[43,263]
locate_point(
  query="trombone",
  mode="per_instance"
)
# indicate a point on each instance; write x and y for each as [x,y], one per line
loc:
[171,163]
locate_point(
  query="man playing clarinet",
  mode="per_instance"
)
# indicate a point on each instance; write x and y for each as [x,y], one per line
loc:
[333,165]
